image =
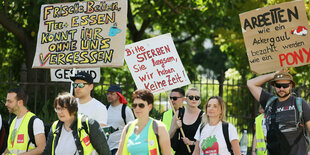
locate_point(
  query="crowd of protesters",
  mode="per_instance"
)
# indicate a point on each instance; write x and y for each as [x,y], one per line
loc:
[86,126]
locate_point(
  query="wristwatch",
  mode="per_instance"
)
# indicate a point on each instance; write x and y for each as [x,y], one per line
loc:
[194,143]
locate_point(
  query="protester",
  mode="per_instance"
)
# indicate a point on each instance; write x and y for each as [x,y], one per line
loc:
[189,120]
[119,115]
[210,134]
[83,85]
[284,133]
[19,140]
[144,134]
[74,133]
[177,98]
[259,143]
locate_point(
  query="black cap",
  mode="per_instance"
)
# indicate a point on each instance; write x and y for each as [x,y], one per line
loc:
[82,76]
[115,88]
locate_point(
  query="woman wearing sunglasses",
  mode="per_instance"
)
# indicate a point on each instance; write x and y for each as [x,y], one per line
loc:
[210,136]
[144,134]
[73,133]
[189,120]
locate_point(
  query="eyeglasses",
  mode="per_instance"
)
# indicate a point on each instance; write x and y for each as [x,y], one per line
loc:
[141,105]
[80,85]
[59,109]
[283,85]
[194,97]
[174,98]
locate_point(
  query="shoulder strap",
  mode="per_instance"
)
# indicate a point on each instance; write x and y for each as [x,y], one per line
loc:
[270,101]
[226,136]
[181,113]
[108,106]
[124,113]
[84,125]
[299,107]
[201,127]
[30,132]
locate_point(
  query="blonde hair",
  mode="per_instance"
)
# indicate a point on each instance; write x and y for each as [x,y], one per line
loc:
[205,118]
[191,89]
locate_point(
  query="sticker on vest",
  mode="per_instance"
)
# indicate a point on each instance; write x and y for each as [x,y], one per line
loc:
[153,152]
[151,143]
[86,140]
[20,138]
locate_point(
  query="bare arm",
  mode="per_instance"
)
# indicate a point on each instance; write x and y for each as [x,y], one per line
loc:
[102,125]
[164,140]
[235,146]
[174,126]
[121,143]
[308,126]
[40,142]
[197,149]
[254,145]
[254,84]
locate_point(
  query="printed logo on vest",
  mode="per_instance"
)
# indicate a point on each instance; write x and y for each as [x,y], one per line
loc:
[151,143]
[153,152]
[20,138]
[86,140]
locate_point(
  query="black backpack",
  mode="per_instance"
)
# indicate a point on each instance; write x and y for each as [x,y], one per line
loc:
[123,111]
[226,135]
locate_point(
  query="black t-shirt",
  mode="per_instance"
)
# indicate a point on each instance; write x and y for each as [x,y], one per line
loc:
[189,131]
[287,117]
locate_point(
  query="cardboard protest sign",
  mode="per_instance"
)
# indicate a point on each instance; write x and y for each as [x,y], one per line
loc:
[81,34]
[63,75]
[155,64]
[276,36]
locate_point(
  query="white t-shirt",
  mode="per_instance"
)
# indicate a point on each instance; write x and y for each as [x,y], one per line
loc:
[95,110]
[212,140]
[66,144]
[116,121]
[38,127]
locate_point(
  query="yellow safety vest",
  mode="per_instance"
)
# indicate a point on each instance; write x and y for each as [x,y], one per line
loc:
[260,138]
[153,145]
[167,118]
[88,148]
[21,139]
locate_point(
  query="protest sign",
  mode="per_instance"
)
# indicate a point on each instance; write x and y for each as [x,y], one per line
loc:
[155,64]
[63,75]
[276,36]
[81,35]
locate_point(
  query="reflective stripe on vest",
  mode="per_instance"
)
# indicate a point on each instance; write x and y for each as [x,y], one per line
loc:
[153,146]
[21,138]
[88,148]
[167,118]
[260,139]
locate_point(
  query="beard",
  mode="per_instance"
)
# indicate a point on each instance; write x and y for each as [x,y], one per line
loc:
[283,96]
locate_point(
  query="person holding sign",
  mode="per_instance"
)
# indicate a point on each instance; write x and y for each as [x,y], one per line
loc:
[83,85]
[189,120]
[144,134]
[287,116]
[210,135]
[74,133]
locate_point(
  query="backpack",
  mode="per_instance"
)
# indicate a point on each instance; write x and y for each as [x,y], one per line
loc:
[4,133]
[30,130]
[226,135]
[300,122]
[123,111]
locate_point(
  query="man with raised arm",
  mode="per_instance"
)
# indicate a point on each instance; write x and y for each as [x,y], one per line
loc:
[285,122]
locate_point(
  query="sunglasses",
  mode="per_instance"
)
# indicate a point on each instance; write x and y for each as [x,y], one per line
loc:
[194,97]
[80,85]
[174,98]
[283,85]
[141,105]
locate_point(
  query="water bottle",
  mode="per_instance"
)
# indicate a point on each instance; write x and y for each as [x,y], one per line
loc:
[244,143]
